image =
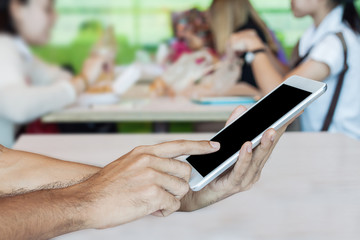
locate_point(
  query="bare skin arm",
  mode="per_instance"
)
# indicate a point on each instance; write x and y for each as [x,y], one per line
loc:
[23,172]
[279,66]
[266,75]
[148,180]
[268,78]
[42,214]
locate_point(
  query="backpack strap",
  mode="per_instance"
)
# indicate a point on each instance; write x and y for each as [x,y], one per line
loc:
[296,59]
[335,99]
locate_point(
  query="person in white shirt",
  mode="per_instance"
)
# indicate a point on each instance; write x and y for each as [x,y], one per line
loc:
[322,57]
[29,87]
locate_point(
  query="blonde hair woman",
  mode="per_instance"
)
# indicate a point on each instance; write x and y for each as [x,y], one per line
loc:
[230,16]
[328,51]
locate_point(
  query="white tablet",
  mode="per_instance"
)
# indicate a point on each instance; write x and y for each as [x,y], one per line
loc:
[272,111]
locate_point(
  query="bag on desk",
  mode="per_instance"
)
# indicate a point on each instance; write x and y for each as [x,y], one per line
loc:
[199,74]
[224,76]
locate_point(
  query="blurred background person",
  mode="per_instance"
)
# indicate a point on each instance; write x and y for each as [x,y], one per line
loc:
[328,51]
[230,16]
[211,30]
[29,87]
[191,33]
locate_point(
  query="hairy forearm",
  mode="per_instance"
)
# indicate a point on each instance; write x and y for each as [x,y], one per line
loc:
[23,172]
[43,214]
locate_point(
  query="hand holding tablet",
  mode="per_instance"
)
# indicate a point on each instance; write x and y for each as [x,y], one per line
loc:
[273,111]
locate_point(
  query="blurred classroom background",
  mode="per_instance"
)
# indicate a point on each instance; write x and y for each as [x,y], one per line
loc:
[143,24]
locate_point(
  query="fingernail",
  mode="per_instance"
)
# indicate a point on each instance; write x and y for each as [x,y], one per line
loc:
[215,145]
[249,148]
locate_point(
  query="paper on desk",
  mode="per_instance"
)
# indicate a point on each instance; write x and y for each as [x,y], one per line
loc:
[149,71]
[127,79]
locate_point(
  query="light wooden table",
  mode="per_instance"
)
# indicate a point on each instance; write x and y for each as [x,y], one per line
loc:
[310,189]
[137,106]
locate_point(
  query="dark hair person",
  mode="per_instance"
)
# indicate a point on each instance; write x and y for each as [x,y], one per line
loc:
[6,25]
[29,87]
[350,15]
[328,51]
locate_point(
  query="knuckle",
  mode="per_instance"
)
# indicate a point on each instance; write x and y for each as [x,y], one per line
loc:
[153,191]
[144,159]
[186,166]
[185,188]
[150,174]
[136,150]
[182,187]
[205,144]
[187,170]
[187,177]
[139,149]
[171,210]
[177,204]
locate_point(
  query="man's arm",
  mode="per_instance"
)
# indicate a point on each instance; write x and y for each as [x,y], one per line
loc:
[42,214]
[148,180]
[23,172]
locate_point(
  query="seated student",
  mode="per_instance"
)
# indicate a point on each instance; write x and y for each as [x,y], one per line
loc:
[230,16]
[29,87]
[191,33]
[328,51]
[195,30]
[44,198]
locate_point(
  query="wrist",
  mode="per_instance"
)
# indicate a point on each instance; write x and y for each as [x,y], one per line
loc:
[80,200]
[256,44]
[250,56]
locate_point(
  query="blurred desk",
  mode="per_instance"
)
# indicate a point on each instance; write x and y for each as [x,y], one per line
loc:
[138,106]
[144,110]
[310,189]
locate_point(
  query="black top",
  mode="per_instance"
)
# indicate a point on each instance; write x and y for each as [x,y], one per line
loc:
[247,74]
